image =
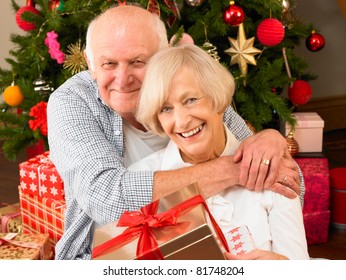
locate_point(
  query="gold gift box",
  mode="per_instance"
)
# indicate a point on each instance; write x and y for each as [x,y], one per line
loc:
[193,238]
[10,218]
[24,249]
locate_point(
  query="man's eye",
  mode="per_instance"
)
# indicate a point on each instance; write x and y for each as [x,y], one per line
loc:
[108,65]
[139,63]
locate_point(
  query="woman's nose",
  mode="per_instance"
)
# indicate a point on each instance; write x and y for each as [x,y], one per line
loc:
[182,117]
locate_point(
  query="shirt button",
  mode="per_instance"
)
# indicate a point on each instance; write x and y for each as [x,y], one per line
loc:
[117,132]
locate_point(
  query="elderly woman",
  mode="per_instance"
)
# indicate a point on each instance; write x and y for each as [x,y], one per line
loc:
[184,95]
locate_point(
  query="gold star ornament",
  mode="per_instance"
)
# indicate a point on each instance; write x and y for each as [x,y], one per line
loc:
[75,61]
[242,50]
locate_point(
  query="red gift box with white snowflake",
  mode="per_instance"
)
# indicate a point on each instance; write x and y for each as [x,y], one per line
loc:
[38,176]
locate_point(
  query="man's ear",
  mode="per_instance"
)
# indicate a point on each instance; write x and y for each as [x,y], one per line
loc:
[92,72]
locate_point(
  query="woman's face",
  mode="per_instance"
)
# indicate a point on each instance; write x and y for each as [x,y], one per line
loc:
[188,119]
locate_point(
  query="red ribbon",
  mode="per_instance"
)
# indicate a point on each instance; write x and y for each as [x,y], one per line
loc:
[139,223]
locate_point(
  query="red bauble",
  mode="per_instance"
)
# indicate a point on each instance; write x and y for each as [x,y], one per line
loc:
[315,42]
[233,15]
[300,92]
[27,26]
[270,32]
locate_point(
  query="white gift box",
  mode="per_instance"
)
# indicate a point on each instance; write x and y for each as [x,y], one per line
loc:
[308,131]
[240,240]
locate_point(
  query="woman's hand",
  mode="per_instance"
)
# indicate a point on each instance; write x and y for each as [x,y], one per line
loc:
[256,255]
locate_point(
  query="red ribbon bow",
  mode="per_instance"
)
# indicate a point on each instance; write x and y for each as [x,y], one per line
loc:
[141,222]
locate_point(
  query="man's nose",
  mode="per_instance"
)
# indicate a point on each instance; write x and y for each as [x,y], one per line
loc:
[123,75]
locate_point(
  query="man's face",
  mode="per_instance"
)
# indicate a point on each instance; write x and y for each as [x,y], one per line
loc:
[120,58]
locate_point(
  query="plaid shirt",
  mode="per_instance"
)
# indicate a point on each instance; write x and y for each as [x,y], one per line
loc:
[87,146]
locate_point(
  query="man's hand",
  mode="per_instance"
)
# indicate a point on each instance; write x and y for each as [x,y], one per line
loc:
[287,181]
[256,255]
[260,156]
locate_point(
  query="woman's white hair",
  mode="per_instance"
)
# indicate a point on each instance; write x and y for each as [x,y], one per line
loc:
[215,81]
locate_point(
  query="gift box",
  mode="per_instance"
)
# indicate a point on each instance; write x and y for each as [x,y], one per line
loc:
[317,185]
[308,131]
[316,226]
[38,176]
[18,246]
[338,197]
[240,240]
[10,218]
[180,229]
[42,215]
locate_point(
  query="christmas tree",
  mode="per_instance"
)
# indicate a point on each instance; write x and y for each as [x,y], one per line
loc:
[254,39]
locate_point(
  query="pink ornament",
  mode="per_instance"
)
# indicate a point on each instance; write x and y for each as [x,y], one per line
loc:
[54,47]
[185,39]
[270,32]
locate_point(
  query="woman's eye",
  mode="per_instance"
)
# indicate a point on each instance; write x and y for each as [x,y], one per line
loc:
[191,100]
[165,109]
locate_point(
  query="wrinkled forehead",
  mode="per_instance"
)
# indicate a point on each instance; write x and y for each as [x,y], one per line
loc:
[124,28]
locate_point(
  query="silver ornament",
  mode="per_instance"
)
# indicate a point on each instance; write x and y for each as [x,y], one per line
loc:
[194,3]
[285,6]
[42,87]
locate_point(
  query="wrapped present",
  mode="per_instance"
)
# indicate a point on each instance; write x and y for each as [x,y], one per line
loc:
[174,227]
[316,226]
[317,185]
[240,240]
[10,218]
[18,246]
[308,131]
[338,197]
[42,215]
[38,176]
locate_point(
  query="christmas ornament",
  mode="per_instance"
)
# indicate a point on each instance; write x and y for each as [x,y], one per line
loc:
[13,95]
[39,113]
[194,3]
[209,47]
[42,87]
[184,39]
[74,60]
[233,15]
[315,42]
[242,50]
[211,50]
[25,25]
[153,7]
[300,92]
[57,5]
[292,144]
[270,32]
[285,6]
[54,47]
